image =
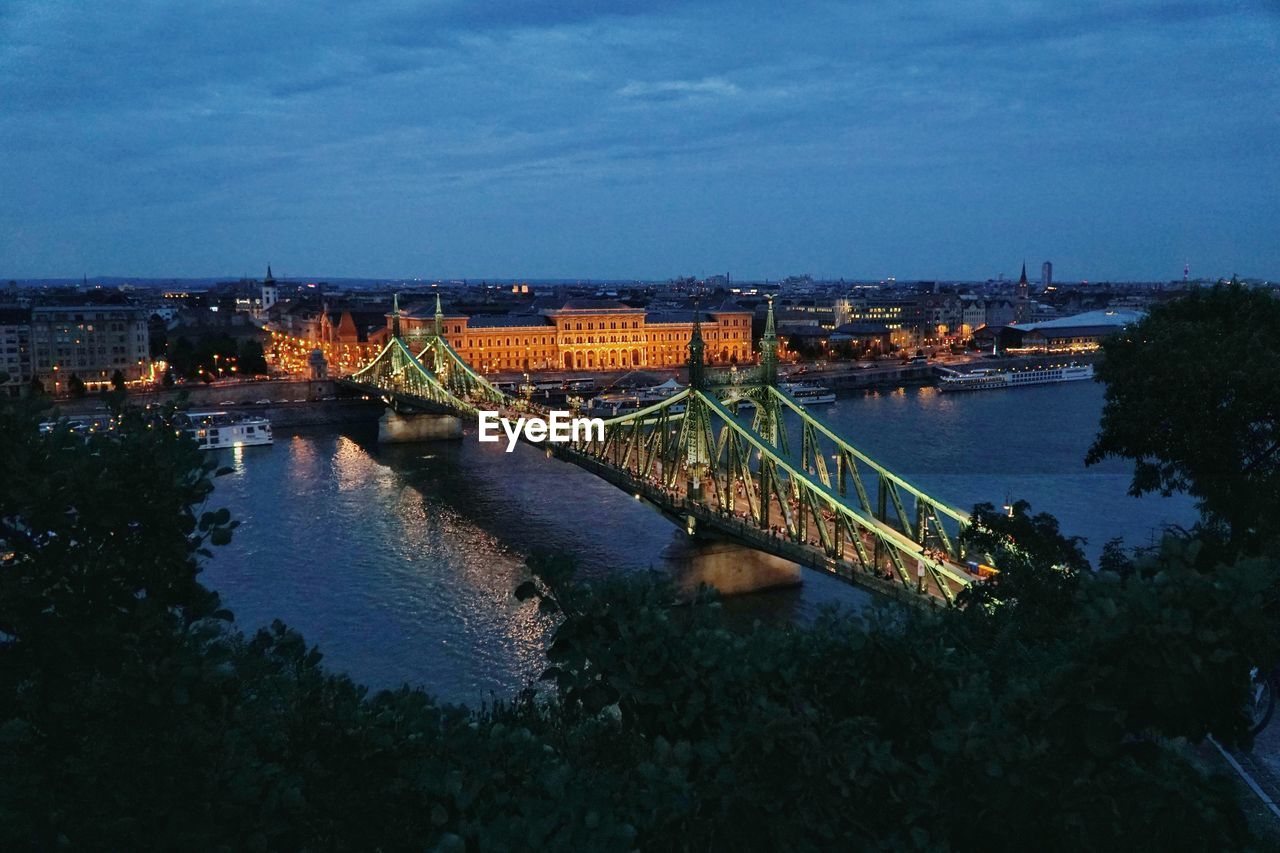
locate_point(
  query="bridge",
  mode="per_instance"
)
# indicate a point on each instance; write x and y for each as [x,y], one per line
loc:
[722,456]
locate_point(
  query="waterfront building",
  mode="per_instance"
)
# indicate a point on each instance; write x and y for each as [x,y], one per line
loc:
[586,334]
[1075,334]
[901,315]
[90,342]
[346,336]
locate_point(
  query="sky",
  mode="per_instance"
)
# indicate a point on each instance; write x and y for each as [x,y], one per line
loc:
[577,139]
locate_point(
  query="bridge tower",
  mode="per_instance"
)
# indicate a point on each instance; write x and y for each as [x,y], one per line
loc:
[395,314]
[439,318]
[769,350]
[697,422]
[697,350]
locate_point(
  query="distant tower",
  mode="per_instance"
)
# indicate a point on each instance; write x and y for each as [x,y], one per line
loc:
[1046,275]
[270,295]
[1022,302]
[1186,270]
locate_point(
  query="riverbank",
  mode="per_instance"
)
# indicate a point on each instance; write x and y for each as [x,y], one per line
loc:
[284,402]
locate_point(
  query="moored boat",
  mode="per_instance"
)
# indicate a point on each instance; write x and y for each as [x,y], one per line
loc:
[985,378]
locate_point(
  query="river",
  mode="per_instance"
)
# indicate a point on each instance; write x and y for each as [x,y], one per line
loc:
[399,561]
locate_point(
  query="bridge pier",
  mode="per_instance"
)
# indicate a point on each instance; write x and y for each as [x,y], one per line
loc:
[731,568]
[399,428]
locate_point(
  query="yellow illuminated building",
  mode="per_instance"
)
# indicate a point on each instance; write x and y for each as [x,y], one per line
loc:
[587,334]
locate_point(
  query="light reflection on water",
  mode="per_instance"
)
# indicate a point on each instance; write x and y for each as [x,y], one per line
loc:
[399,562]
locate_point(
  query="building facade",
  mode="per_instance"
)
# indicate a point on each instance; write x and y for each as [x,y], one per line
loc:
[90,342]
[587,334]
[15,349]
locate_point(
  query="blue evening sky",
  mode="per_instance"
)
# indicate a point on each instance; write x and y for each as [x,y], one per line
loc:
[934,139]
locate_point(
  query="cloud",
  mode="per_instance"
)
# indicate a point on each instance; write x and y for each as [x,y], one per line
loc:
[842,132]
[672,89]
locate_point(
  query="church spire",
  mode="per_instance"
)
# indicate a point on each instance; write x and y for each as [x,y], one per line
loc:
[1023,278]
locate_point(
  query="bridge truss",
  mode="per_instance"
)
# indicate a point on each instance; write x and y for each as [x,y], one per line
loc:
[777,479]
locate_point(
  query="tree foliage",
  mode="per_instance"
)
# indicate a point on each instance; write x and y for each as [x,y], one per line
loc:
[1193,400]
[1044,715]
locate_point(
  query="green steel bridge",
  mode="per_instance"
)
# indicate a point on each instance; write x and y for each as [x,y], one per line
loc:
[721,456]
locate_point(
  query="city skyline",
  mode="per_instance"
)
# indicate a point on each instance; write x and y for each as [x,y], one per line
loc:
[641,141]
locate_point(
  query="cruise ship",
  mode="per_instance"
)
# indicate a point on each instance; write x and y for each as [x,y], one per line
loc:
[809,393]
[214,430]
[989,377]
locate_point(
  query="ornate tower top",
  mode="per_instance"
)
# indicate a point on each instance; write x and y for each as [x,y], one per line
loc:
[696,348]
[439,317]
[395,314]
[270,279]
[769,349]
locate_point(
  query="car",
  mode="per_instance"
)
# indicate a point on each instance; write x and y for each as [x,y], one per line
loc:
[262,402]
[228,402]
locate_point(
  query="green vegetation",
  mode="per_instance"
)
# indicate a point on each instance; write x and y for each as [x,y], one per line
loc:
[1046,712]
[1193,399]
[214,355]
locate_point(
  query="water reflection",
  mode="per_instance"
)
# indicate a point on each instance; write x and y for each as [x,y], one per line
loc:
[399,562]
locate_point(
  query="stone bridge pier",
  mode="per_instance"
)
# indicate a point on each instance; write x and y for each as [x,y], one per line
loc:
[403,428]
[732,568]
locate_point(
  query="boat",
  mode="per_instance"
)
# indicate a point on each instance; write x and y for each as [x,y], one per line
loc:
[809,393]
[985,378]
[616,404]
[214,430]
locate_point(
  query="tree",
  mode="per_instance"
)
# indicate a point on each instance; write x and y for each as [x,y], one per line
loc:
[133,714]
[117,381]
[75,386]
[1193,400]
[252,359]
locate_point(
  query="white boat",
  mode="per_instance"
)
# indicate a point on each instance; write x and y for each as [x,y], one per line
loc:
[985,378]
[214,430]
[619,403]
[809,393]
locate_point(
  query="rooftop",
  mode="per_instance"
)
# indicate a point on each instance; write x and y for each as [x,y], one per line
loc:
[1111,318]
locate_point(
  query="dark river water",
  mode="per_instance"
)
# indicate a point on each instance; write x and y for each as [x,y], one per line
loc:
[399,561]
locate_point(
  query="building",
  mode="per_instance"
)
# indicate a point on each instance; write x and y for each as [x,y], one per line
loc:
[1078,333]
[90,342]
[1046,277]
[270,293]
[901,316]
[585,334]
[940,318]
[347,336]
[15,349]
[873,336]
